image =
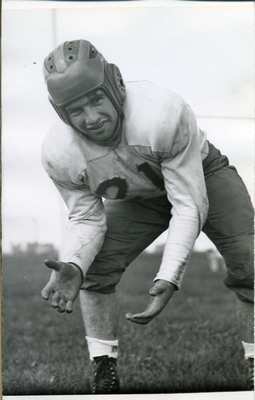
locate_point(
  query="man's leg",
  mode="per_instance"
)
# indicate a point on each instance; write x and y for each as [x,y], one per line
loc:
[101,318]
[230,227]
[245,314]
[100,314]
[245,317]
[131,227]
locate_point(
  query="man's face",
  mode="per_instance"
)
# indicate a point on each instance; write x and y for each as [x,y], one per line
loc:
[95,116]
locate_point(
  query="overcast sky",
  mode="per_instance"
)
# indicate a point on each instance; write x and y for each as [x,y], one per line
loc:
[202,51]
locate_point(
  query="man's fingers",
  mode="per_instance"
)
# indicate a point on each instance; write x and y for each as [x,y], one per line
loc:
[69,307]
[58,303]
[141,318]
[61,306]
[54,301]
[155,306]
[145,316]
[56,265]
[46,291]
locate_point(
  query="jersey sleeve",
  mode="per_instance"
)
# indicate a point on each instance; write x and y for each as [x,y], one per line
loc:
[86,227]
[184,182]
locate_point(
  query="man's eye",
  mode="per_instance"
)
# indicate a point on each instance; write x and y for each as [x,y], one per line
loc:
[75,112]
[97,100]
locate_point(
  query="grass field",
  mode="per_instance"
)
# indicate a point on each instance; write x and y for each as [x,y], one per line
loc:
[193,346]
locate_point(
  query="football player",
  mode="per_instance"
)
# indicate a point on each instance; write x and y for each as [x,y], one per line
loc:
[138,146]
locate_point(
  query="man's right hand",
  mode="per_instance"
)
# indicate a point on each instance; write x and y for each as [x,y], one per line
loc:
[63,286]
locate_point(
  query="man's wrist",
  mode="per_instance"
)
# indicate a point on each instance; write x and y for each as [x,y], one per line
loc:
[79,268]
[170,283]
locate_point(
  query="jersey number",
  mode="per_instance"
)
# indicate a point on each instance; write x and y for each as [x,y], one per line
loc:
[121,184]
[151,175]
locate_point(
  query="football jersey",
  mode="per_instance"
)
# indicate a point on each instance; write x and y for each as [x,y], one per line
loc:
[160,151]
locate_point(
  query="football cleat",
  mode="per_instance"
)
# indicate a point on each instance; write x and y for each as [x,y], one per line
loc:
[106,379]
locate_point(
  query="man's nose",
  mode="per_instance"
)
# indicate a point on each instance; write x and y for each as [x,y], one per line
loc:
[91,116]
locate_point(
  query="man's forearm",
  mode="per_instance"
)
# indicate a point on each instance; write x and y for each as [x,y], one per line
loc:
[179,245]
[82,243]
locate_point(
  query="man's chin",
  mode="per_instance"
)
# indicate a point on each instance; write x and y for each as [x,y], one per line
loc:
[108,141]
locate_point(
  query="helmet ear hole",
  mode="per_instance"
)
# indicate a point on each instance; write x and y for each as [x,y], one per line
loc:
[120,81]
[92,52]
[117,82]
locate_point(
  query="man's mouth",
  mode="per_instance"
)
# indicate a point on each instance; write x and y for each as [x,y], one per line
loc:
[97,126]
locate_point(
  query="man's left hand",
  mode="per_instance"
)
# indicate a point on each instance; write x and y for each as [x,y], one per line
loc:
[161,293]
